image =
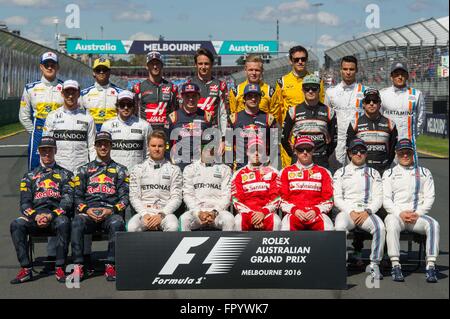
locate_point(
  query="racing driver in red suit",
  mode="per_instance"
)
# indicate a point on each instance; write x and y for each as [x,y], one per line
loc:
[306,191]
[254,191]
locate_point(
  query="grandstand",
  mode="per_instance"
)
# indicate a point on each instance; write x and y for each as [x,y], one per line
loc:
[422,45]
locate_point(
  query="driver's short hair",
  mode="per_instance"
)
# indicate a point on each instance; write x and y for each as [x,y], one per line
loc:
[158,133]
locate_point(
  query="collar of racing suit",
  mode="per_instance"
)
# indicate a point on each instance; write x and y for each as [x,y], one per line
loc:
[49,83]
[297,75]
[406,168]
[355,167]
[127,121]
[301,166]
[346,86]
[48,166]
[102,87]
[397,90]
[155,164]
[102,163]
[74,111]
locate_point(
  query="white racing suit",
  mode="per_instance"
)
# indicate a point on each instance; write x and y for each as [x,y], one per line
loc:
[38,100]
[74,132]
[129,140]
[346,100]
[100,101]
[359,188]
[155,188]
[409,188]
[206,187]
[406,107]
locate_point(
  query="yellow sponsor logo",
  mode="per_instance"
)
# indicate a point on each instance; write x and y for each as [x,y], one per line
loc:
[57,176]
[100,115]
[23,184]
[43,108]
[112,170]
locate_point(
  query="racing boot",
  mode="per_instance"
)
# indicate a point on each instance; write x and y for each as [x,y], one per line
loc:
[375,272]
[24,275]
[78,273]
[110,272]
[396,273]
[60,274]
[431,274]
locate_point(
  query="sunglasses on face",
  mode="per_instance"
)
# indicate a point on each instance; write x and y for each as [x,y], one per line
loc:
[101,70]
[311,88]
[296,60]
[49,65]
[374,100]
[359,150]
[126,105]
[304,149]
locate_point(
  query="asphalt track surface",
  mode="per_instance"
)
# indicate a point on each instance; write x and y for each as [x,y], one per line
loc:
[13,166]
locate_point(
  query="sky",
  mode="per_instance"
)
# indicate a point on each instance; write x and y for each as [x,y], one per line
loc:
[320,27]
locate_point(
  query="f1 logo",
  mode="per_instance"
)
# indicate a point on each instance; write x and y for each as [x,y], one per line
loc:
[180,255]
[221,257]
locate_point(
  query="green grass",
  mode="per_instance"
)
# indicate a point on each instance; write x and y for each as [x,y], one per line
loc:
[10,128]
[432,144]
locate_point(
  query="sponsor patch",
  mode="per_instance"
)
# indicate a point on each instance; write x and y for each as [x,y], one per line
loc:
[295,175]
[317,176]
[305,185]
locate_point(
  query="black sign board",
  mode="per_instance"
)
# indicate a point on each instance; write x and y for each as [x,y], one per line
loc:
[436,124]
[231,260]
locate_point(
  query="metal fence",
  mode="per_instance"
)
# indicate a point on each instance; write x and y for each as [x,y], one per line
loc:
[19,64]
[422,45]
[277,68]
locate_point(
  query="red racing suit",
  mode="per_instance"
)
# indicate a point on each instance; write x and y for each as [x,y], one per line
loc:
[306,188]
[256,189]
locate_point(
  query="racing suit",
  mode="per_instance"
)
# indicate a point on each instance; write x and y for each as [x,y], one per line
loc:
[129,146]
[406,107]
[409,188]
[255,189]
[346,100]
[44,190]
[100,101]
[306,188]
[38,99]
[248,126]
[156,101]
[184,131]
[236,98]
[213,96]
[380,136]
[155,187]
[99,185]
[74,132]
[206,187]
[318,122]
[359,188]
[288,93]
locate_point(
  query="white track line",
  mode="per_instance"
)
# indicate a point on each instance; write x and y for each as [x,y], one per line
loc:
[11,146]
